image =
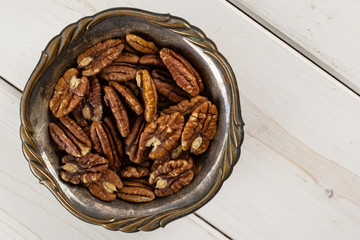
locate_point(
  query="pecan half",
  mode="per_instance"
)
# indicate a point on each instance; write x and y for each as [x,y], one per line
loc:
[119,72]
[77,113]
[166,86]
[161,135]
[126,57]
[115,135]
[148,93]
[200,128]
[69,136]
[99,56]
[85,169]
[69,92]
[118,110]
[185,107]
[182,72]
[133,172]
[93,108]
[136,191]
[151,60]
[103,143]
[171,176]
[129,97]
[132,141]
[171,91]
[106,187]
[175,153]
[141,44]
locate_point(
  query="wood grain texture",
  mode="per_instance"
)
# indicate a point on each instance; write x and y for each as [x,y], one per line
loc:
[29,211]
[325,31]
[298,176]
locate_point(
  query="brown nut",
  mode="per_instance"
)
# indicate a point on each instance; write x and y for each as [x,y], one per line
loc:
[171,176]
[182,72]
[106,187]
[93,108]
[185,107]
[175,153]
[151,60]
[136,191]
[162,135]
[171,91]
[148,93]
[141,44]
[132,142]
[103,144]
[85,169]
[99,56]
[118,110]
[115,136]
[69,92]
[119,72]
[200,128]
[166,86]
[126,57]
[77,113]
[69,136]
[133,172]
[128,96]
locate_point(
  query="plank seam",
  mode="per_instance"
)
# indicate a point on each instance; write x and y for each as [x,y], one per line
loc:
[12,85]
[213,226]
[292,44]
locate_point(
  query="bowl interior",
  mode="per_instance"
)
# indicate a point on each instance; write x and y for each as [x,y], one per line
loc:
[216,89]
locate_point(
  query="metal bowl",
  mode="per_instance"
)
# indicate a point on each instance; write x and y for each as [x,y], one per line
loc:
[166,31]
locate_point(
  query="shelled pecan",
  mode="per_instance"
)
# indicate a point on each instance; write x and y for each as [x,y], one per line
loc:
[69,92]
[128,96]
[93,108]
[85,169]
[185,107]
[119,72]
[94,59]
[182,72]
[171,176]
[132,149]
[107,186]
[118,110]
[69,136]
[148,93]
[161,135]
[136,191]
[141,45]
[200,128]
[103,143]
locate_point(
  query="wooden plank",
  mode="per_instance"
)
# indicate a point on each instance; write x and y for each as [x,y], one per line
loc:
[327,32]
[298,177]
[29,211]
[302,134]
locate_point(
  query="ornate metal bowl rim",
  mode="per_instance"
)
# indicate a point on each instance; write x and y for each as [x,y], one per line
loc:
[74,31]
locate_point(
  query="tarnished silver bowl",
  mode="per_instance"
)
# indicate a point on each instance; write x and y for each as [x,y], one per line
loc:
[167,31]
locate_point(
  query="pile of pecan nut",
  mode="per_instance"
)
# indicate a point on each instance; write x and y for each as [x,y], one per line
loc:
[131,120]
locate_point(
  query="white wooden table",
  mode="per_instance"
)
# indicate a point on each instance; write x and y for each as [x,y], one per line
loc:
[296,64]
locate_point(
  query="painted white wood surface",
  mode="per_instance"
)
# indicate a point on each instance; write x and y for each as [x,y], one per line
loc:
[29,211]
[298,176]
[327,31]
